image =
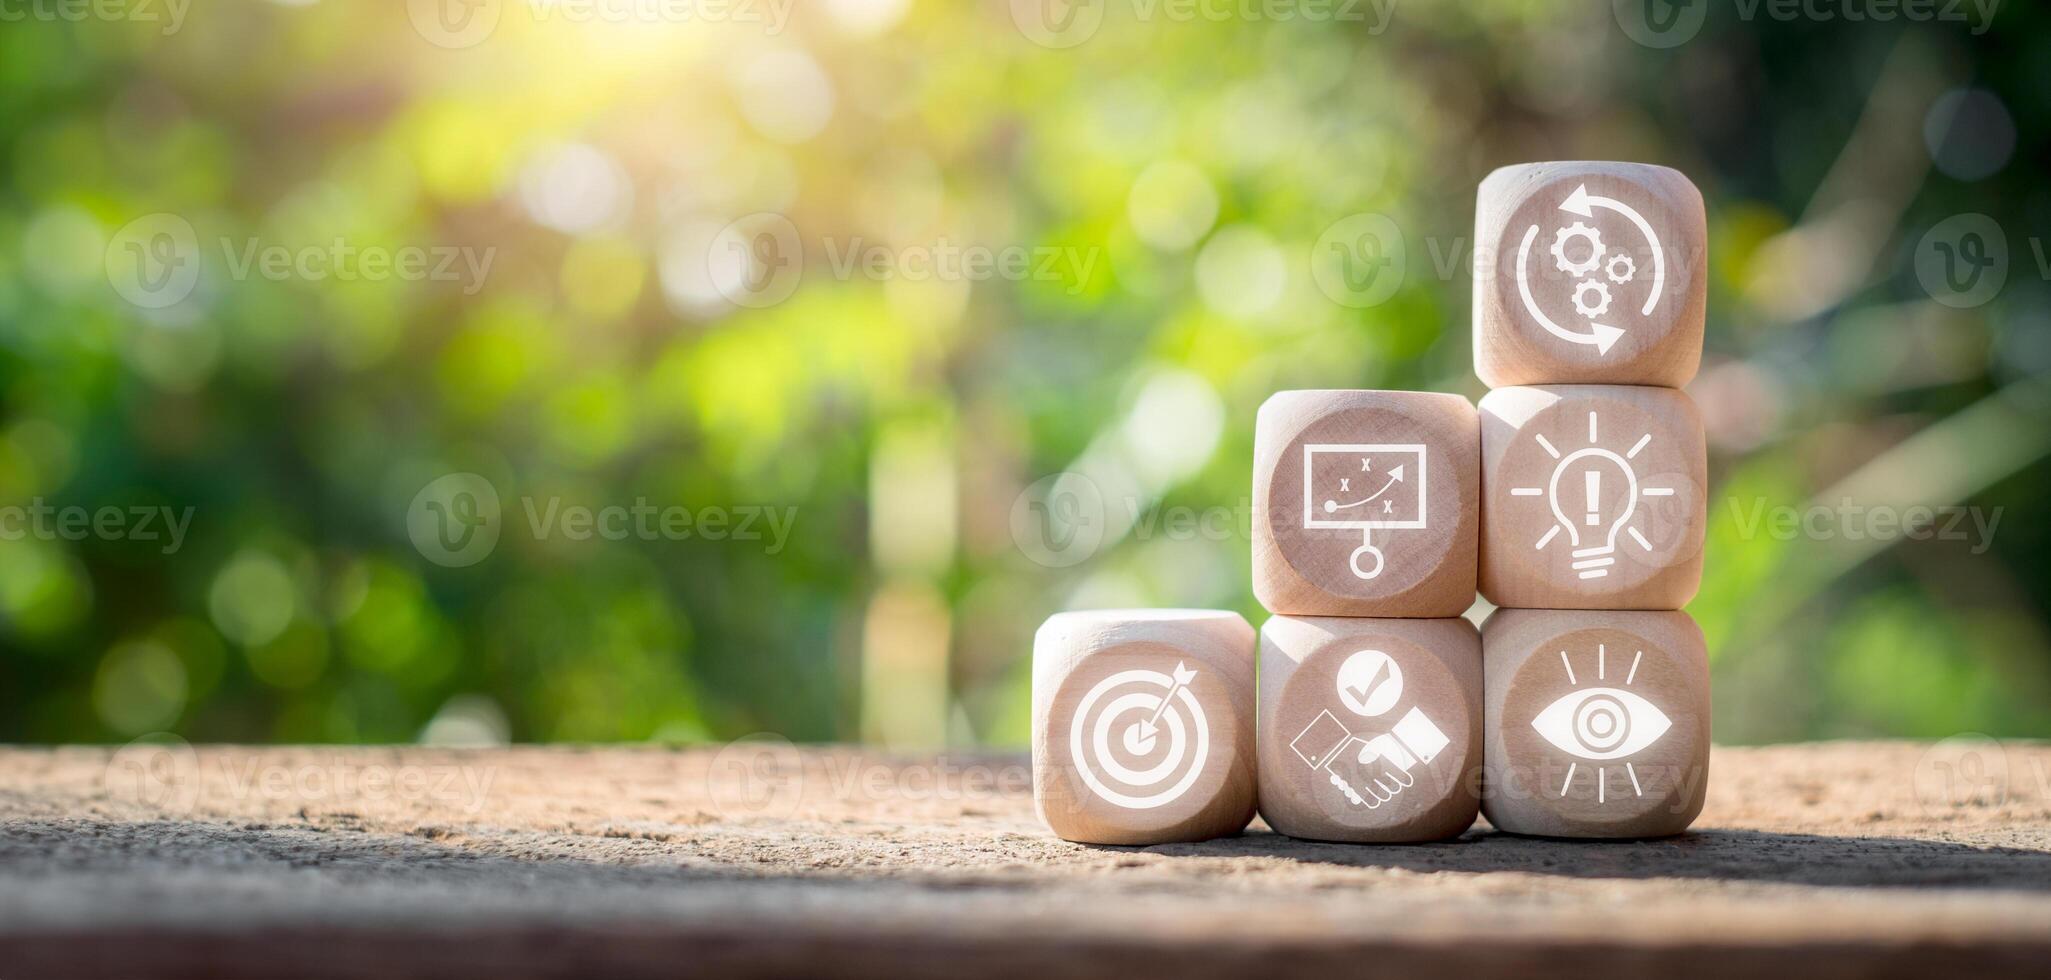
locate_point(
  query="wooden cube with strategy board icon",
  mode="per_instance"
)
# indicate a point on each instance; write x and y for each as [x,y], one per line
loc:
[1365,503]
[1143,725]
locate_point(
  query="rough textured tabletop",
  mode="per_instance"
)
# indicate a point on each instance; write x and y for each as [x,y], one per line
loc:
[1834,859]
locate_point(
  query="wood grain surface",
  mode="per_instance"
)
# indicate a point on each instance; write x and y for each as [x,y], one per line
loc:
[1826,860]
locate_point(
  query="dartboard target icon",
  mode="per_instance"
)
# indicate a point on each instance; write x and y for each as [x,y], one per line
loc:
[1139,739]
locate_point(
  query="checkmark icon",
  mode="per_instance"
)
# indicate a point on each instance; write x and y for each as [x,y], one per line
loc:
[1374,680]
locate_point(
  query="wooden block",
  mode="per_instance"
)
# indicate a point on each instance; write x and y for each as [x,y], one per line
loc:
[1364,503]
[1370,729]
[1589,272]
[1598,722]
[1143,725]
[1592,497]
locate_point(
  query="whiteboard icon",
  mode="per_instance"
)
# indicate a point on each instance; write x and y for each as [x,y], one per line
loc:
[1363,487]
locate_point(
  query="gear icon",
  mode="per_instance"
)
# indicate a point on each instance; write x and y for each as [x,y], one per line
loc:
[1595,249]
[1621,268]
[1597,308]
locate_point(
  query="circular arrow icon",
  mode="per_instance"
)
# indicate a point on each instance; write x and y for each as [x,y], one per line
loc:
[1601,336]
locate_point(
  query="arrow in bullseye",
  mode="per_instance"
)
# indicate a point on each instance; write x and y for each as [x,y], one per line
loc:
[1144,740]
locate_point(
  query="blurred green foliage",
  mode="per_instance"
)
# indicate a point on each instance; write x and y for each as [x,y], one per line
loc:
[1177,172]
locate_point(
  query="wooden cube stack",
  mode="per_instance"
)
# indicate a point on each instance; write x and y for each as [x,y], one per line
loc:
[1594,471]
[1573,500]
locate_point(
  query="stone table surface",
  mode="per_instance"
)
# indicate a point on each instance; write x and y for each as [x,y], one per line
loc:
[1831,859]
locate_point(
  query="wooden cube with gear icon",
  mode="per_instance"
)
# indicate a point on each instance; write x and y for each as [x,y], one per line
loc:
[1365,503]
[1589,272]
[1597,722]
[1143,725]
[1370,729]
[1592,497]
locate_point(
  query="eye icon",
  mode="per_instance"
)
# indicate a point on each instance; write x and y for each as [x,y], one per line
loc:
[1601,723]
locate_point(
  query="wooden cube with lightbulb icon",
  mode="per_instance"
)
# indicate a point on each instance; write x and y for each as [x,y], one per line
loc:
[1143,725]
[1366,503]
[1589,272]
[1597,722]
[1370,729]
[1592,497]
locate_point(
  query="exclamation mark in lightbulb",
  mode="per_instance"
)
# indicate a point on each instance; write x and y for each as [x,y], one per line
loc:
[1594,494]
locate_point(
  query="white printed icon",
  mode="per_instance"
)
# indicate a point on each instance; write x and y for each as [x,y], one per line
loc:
[1369,684]
[1148,741]
[1583,495]
[1601,724]
[1578,251]
[1364,487]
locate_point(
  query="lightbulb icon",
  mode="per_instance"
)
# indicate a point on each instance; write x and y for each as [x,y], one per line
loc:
[1580,505]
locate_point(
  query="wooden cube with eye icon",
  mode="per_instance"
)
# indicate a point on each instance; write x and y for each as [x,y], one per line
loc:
[1593,497]
[1597,722]
[1597,274]
[1365,503]
[1370,729]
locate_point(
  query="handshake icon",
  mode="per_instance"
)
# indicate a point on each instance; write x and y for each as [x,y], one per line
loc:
[1381,764]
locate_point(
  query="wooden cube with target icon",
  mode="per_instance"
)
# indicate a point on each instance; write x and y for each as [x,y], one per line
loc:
[1592,497]
[1597,722]
[1589,272]
[1366,503]
[1370,729]
[1143,725]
